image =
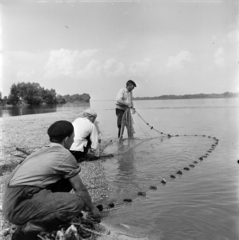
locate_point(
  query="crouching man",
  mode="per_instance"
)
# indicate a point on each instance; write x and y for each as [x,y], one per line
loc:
[37,195]
[86,136]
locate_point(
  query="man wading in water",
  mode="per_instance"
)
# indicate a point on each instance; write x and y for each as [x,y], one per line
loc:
[37,197]
[124,102]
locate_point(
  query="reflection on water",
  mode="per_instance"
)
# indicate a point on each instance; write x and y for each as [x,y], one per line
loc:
[124,170]
[25,110]
[8,111]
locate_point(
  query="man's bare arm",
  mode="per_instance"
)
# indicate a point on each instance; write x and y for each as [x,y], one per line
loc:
[82,191]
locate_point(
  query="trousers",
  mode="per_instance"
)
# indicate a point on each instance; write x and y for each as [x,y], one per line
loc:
[49,207]
[119,114]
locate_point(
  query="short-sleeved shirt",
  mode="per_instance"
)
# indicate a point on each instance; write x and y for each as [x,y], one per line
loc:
[124,97]
[83,129]
[45,167]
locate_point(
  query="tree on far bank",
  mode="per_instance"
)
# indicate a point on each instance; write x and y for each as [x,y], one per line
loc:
[34,94]
[60,99]
[77,97]
[14,96]
[30,93]
[49,96]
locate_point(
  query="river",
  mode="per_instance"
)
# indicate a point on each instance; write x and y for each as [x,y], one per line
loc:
[200,204]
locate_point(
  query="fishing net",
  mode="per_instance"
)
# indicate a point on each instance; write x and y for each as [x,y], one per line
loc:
[127,122]
[31,136]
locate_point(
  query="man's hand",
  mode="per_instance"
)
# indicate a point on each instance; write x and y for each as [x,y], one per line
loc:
[130,105]
[133,111]
[95,211]
[95,152]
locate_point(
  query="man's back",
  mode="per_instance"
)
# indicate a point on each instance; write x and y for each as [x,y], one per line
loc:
[84,128]
[45,167]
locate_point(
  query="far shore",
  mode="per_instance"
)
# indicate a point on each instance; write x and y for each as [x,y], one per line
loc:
[147,99]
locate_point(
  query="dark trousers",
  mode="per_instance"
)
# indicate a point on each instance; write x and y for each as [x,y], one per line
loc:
[119,114]
[47,207]
[79,154]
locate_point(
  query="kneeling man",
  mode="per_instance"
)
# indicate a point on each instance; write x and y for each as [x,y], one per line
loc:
[37,195]
[86,135]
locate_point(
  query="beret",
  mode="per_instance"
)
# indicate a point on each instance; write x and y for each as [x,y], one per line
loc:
[60,130]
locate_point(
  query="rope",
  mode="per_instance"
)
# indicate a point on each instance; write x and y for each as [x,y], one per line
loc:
[145,133]
[151,127]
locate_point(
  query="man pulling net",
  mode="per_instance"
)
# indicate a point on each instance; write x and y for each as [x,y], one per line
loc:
[124,106]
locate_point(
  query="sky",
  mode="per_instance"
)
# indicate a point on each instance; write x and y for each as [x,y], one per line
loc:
[168,47]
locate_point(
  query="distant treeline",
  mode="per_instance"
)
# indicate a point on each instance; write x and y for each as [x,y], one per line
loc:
[192,96]
[34,94]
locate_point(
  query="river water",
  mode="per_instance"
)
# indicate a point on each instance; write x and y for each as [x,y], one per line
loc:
[200,204]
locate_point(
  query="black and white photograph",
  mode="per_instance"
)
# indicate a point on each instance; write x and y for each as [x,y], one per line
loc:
[119,119]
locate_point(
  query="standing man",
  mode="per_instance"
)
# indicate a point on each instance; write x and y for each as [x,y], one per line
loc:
[86,135]
[123,102]
[37,196]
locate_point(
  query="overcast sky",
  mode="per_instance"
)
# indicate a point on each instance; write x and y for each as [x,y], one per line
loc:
[166,47]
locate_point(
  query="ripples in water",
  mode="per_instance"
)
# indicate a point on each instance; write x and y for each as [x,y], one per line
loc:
[190,206]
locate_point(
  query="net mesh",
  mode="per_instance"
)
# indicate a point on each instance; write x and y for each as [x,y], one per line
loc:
[127,122]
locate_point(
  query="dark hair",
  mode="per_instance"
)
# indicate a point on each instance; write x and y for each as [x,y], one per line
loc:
[59,130]
[131,82]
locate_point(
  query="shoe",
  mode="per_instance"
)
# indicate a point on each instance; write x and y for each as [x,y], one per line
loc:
[18,234]
[31,227]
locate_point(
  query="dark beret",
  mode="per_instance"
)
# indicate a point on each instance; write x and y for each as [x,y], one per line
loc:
[60,130]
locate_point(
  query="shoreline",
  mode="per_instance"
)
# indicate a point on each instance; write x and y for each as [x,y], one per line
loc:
[29,132]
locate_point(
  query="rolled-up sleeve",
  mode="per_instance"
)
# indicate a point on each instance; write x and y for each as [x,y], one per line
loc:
[120,99]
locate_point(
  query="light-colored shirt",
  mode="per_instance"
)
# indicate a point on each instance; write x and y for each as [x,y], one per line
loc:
[46,166]
[124,97]
[83,128]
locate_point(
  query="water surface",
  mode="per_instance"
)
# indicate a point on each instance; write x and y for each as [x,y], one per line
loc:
[198,205]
